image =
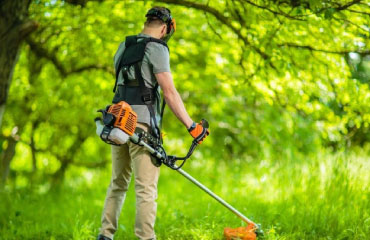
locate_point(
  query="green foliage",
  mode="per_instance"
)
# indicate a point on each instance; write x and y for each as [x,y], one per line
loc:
[267,80]
[283,80]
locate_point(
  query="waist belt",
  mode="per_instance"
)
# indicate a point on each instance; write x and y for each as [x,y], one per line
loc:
[133,95]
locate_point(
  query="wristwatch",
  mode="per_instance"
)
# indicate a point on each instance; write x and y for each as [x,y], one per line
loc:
[192,127]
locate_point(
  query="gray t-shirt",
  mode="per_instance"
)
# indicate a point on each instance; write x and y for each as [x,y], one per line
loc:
[156,60]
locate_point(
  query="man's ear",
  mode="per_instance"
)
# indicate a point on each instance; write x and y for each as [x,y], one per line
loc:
[164,30]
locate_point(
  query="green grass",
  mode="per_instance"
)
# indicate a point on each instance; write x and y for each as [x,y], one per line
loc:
[322,197]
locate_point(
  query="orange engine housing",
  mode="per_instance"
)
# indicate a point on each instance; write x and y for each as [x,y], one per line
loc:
[126,118]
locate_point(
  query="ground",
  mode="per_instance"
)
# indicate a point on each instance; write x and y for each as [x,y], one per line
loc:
[326,196]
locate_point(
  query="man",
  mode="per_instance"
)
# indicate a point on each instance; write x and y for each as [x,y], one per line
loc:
[138,82]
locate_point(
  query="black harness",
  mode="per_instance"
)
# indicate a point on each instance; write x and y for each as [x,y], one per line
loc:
[135,92]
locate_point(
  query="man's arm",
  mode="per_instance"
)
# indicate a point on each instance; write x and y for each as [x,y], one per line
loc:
[173,98]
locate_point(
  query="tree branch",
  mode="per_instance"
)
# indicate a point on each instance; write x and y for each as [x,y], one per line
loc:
[225,20]
[81,3]
[27,28]
[273,11]
[359,12]
[345,6]
[238,14]
[91,67]
[42,52]
[352,23]
[308,47]
[211,27]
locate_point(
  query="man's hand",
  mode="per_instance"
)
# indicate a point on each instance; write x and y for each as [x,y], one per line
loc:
[198,131]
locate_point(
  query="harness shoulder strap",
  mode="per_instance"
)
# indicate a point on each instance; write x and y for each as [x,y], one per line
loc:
[162,111]
[151,39]
[130,40]
[147,96]
[134,52]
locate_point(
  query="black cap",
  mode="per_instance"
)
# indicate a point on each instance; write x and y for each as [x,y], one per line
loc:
[161,13]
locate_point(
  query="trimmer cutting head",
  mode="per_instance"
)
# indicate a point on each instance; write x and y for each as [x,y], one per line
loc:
[259,231]
[250,232]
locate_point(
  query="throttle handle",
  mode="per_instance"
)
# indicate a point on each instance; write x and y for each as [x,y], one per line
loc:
[204,123]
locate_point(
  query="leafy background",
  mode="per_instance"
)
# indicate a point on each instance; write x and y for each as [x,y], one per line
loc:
[284,85]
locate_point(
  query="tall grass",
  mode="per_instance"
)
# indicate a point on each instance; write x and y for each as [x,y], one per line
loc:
[319,197]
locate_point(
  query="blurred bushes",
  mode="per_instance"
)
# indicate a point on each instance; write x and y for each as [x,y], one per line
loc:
[278,87]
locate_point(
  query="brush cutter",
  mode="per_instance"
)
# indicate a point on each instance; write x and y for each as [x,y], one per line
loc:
[118,126]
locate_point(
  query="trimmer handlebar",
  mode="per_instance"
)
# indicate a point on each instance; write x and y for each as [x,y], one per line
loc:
[170,161]
[157,151]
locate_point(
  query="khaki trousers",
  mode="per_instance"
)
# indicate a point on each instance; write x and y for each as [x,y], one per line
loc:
[126,158]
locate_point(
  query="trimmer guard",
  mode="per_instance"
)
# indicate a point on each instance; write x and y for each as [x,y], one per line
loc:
[241,233]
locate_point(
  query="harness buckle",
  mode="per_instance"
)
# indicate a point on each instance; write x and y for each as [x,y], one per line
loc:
[147,98]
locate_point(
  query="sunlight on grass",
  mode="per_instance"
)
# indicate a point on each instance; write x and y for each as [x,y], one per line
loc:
[322,197]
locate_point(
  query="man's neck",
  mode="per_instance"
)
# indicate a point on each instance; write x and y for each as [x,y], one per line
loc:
[151,32]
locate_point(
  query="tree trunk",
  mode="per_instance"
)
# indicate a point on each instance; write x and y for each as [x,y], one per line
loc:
[58,176]
[6,158]
[14,27]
